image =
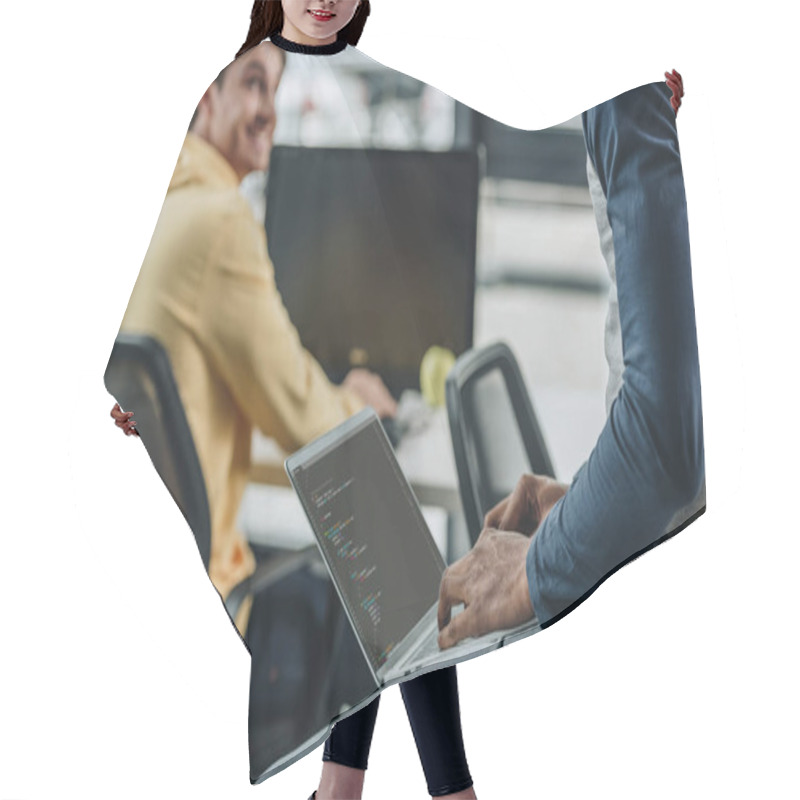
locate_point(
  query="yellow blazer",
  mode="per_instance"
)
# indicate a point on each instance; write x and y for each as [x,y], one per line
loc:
[206,291]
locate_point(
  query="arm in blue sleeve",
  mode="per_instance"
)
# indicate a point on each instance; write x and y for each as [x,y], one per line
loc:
[648,460]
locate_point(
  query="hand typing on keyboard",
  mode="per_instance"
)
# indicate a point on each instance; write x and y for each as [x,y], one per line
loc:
[491,582]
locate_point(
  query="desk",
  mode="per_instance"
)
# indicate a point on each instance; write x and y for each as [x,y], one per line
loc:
[571,421]
[425,456]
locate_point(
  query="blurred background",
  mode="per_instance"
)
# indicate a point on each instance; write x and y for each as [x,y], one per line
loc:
[361,154]
[540,280]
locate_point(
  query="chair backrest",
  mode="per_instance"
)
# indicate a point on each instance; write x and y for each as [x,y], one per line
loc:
[495,435]
[140,378]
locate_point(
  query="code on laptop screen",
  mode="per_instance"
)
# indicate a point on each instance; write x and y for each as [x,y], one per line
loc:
[375,540]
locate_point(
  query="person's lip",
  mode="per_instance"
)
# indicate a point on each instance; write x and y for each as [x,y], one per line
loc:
[319,14]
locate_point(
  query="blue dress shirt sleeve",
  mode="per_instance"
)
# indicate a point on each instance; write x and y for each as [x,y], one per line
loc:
[648,461]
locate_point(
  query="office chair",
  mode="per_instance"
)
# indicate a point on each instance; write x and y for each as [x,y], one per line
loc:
[139,376]
[495,435]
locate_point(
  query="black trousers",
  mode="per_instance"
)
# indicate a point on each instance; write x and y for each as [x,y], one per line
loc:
[433,711]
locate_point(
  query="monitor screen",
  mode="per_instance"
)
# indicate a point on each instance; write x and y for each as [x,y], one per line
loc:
[372,533]
[374,254]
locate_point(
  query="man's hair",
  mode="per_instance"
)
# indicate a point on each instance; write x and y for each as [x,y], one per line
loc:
[266,19]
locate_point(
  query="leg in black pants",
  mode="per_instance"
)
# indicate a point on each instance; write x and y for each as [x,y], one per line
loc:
[433,711]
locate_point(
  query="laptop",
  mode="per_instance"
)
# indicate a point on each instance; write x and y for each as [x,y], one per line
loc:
[379,551]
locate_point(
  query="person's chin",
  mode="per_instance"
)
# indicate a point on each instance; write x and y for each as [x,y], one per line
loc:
[257,166]
[320,31]
[258,161]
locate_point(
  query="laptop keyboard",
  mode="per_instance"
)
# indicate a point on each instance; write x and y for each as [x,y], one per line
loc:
[429,650]
[430,646]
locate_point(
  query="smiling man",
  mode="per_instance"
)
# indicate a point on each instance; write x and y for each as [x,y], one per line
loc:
[236,114]
[206,291]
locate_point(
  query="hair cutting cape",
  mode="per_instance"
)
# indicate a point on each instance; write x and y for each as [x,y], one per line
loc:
[395,230]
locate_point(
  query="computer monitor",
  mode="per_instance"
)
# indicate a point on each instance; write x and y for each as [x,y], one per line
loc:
[374,254]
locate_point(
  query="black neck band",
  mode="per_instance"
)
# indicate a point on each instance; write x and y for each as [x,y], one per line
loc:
[309,49]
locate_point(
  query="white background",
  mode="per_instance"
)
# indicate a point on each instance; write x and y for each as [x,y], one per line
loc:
[119,674]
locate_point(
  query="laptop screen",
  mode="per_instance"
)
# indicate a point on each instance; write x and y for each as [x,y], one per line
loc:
[374,538]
